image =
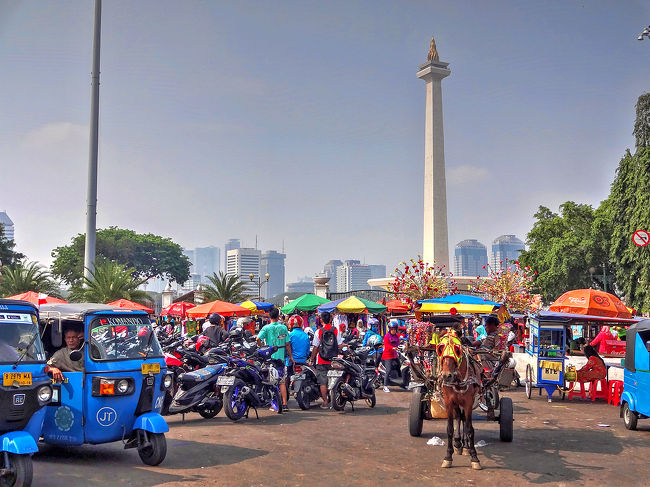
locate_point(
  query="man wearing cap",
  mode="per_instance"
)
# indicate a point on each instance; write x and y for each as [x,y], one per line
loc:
[275,334]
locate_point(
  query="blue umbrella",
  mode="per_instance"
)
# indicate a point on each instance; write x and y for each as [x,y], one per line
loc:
[460,299]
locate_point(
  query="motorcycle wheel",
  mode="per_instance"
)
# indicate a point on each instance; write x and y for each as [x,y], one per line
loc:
[302,398]
[155,452]
[338,401]
[20,471]
[209,413]
[235,405]
[371,401]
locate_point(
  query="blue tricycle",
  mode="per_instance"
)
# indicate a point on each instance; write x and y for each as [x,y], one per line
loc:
[635,400]
[24,392]
[120,390]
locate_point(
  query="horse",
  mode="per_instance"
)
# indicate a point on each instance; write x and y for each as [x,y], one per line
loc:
[460,382]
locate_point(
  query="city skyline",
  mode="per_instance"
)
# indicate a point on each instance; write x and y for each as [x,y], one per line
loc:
[174,109]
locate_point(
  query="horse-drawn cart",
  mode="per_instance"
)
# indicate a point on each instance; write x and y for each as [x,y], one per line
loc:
[427,400]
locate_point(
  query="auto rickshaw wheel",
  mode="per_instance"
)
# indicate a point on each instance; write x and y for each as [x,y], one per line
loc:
[155,452]
[20,471]
[416,413]
[630,417]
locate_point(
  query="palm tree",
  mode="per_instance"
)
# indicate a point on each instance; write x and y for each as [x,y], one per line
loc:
[30,276]
[108,282]
[225,288]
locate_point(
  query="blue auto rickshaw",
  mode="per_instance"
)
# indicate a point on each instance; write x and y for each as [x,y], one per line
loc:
[120,391]
[24,391]
[635,400]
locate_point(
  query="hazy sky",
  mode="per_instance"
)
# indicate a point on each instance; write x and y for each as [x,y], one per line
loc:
[303,121]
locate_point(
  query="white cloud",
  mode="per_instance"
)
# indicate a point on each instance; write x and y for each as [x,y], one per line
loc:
[466,174]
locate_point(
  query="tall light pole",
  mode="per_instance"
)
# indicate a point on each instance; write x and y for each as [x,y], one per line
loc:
[259,282]
[91,201]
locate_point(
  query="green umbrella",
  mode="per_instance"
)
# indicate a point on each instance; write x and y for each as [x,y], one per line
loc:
[306,302]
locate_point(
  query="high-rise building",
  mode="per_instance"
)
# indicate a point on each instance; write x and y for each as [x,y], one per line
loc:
[189,253]
[242,262]
[505,248]
[8,226]
[352,277]
[329,269]
[231,244]
[377,271]
[207,261]
[471,258]
[304,286]
[272,262]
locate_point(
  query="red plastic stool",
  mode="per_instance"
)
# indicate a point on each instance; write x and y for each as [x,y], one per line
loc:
[574,392]
[615,391]
[603,393]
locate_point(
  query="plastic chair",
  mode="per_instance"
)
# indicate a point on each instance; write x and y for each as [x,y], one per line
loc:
[595,392]
[615,392]
[574,392]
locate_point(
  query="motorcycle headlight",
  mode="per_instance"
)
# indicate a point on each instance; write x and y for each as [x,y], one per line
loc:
[167,381]
[44,393]
[123,386]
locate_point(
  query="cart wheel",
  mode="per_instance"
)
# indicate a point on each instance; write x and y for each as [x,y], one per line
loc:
[629,417]
[415,412]
[529,380]
[506,419]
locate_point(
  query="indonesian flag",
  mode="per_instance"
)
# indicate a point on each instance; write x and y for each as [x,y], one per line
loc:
[42,298]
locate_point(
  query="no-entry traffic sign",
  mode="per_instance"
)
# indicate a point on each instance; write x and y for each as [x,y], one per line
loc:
[641,238]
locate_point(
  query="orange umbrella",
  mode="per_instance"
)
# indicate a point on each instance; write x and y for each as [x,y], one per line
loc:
[221,307]
[591,302]
[125,303]
[177,309]
[37,298]
[396,306]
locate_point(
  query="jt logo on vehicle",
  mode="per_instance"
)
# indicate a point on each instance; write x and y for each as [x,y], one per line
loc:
[106,416]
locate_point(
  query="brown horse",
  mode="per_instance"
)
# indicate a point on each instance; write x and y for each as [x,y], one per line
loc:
[460,385]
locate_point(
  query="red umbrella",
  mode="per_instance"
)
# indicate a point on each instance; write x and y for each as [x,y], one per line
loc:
[125,303]
[37,298]
[221,307]
[396,306]
[591,302]
[177,309]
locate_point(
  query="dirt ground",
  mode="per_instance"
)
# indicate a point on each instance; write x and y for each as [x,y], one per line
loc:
[558,443]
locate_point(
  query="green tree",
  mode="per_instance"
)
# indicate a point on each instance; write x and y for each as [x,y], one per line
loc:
[7,254]
[562,248]
[30,276]
[108,282]
[629,210]
[147,254]
[225,288]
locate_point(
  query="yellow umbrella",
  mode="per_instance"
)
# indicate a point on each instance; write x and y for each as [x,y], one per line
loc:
[459,307]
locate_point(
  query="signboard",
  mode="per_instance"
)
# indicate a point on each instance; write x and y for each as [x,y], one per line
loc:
[641,238]
[550,370]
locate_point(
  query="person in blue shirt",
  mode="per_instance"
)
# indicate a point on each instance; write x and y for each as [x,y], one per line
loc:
[368,340]
[300,345]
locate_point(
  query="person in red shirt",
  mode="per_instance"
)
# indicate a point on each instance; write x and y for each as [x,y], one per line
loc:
[322,365]
[389,356]
[601,339]
[594,369]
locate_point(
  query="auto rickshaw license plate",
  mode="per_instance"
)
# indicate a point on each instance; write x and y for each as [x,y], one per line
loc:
[151,368]
[22,378]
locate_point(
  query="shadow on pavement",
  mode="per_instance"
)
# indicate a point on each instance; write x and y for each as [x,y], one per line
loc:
[96,461]
[539,454]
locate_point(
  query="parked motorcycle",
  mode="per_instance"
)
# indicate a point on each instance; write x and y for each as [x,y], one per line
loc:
[305,385]
[251,383]
[351,379]
[198,392]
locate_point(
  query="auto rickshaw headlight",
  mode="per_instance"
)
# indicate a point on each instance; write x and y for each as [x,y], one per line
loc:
[44,393]
[167,381]
[123,386]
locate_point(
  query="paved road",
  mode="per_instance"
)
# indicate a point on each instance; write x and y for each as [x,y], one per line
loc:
[555,444]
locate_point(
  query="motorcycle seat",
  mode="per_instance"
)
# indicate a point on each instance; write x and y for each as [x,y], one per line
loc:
[196,376]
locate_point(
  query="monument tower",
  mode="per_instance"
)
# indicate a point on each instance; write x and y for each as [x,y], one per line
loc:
[436,240]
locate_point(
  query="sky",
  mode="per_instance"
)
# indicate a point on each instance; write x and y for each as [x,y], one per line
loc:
[302,122]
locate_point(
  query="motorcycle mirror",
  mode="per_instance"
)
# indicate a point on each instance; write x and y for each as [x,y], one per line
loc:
[76,355]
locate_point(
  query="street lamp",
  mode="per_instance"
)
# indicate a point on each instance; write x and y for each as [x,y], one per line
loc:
[592,271]
[259,282]
[645,33]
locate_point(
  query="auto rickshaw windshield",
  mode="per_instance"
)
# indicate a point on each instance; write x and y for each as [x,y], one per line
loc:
[19,339]
[123,337]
